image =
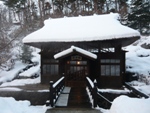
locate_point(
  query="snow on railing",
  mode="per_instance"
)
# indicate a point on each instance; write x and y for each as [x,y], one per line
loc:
[55,90]
[90,81]
[57,82]
[93,91]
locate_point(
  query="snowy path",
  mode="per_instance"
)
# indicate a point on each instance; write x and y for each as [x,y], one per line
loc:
[63,98]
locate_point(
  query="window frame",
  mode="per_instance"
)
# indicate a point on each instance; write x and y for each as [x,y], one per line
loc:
[110,67]
[50,67]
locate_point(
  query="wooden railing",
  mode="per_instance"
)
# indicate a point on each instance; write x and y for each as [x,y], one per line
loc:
[135,91]
[96,96]
[103,101]
[92,87]
[55,90]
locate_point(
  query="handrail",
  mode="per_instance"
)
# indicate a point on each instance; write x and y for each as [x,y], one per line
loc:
[55,89]
[93,91]
[58,81]
[137,92]
[103,101]
[90,82]
[104,98]
[95,94]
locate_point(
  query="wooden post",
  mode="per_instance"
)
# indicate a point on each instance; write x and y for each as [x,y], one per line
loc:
[51,94]
[95,95]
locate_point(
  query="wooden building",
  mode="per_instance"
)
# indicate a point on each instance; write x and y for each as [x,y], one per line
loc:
[76,47]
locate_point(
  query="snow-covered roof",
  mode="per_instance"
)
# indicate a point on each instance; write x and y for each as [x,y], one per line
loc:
[82,28]
[77,49]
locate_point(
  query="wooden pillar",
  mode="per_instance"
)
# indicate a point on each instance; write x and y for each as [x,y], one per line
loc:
[95,95]
[51,94]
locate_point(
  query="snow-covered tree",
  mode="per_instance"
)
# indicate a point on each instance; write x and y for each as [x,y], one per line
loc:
[26,53]
[139,16]
[5,40]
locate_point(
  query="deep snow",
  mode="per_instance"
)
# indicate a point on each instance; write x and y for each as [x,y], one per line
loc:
[10,105]
[82,28]
[138,58]
[124,104]
[120,104]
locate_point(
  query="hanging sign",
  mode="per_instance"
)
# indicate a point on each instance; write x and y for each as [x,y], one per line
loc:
[77,57]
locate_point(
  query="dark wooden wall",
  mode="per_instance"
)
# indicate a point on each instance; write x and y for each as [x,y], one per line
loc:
[94,68]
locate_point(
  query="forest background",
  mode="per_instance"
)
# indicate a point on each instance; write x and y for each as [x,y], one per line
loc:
[19,18]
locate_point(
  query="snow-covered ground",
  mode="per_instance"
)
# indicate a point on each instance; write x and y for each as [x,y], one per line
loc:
[134,62]
[138,62]
[6,77]
[124,104]
[141,86]
[10,105]
[138,58]
[115,91]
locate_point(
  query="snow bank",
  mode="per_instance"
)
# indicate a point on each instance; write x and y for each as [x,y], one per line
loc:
[22,82]
[10,105]
[144,40]
[35,70]
[82,28]
[124,104]
[114,91]
[141,87]
[10,89]
[138,58]
[9,75]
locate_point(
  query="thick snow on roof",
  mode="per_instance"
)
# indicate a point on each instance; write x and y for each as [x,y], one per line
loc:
[82,28]
[77,49]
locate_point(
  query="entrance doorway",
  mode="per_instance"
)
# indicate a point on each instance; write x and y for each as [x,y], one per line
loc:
[76,71]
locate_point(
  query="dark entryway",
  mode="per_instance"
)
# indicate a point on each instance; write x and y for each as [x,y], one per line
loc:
[78,98]
[76,71]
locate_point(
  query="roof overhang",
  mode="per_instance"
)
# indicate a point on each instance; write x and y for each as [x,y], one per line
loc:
[90,44]
[74,49]
[102,30]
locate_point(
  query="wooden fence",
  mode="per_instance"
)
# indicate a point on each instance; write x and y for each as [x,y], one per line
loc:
[135,91]
[55,90]
[96,96]
[93,91]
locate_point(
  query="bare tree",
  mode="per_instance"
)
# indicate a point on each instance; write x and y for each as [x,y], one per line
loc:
[5,23]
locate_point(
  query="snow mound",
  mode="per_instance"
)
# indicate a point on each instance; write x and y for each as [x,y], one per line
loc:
[21,82]
[124,104]
[6,76]
[138,58]
[10,105]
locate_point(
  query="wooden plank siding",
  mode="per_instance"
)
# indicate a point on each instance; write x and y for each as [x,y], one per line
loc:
[94,67]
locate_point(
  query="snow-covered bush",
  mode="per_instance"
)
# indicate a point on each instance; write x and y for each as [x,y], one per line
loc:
[145,79]
[26,54]
[138,59]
